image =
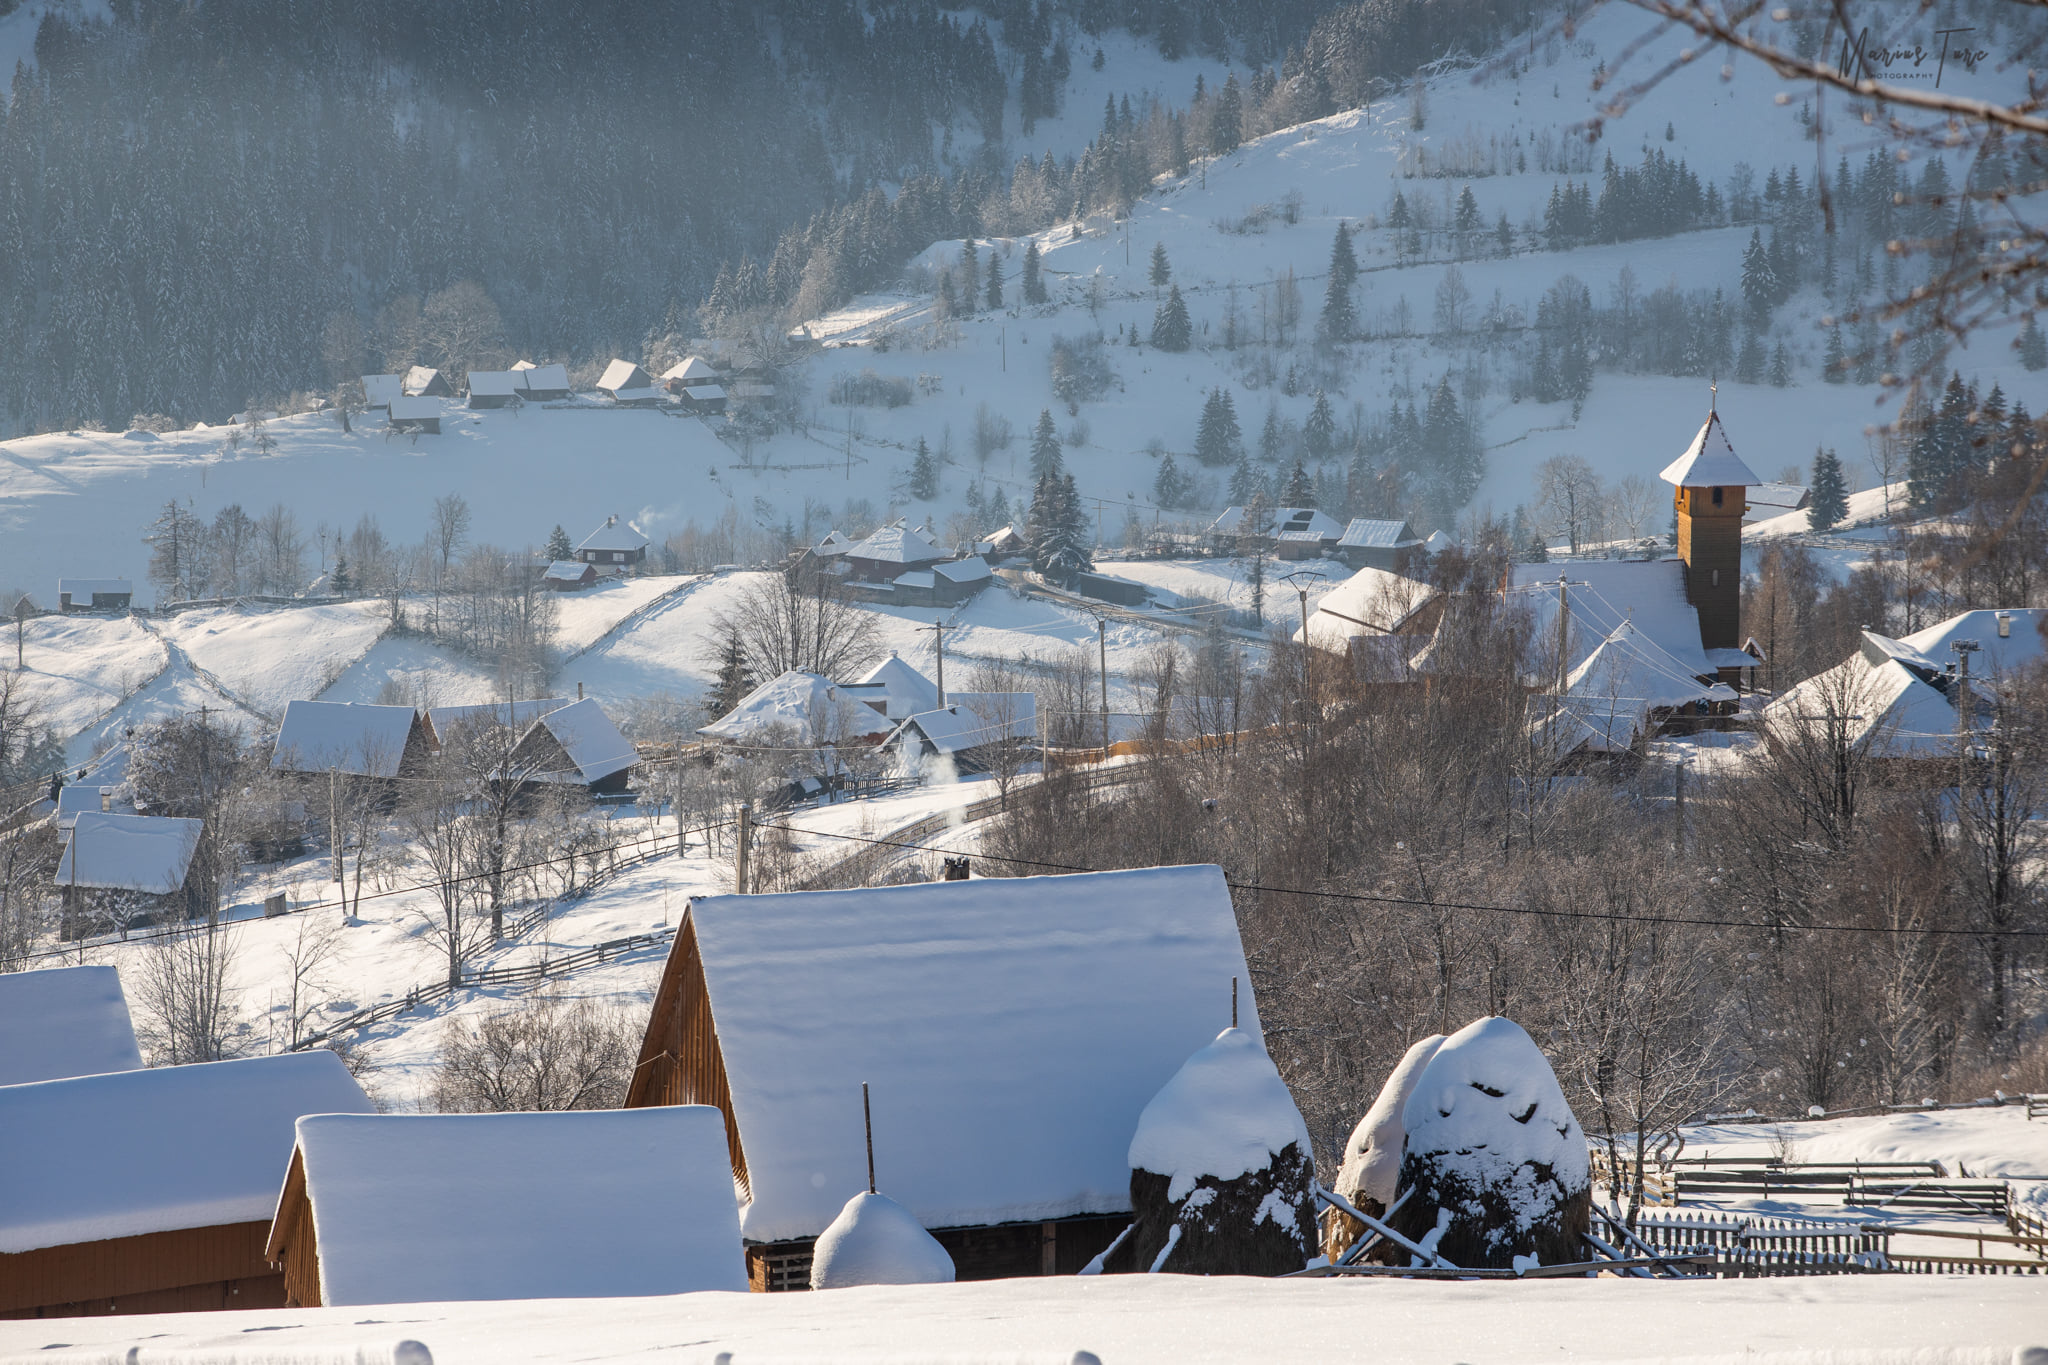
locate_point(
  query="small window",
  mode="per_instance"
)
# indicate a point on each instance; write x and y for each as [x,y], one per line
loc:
[1717,497]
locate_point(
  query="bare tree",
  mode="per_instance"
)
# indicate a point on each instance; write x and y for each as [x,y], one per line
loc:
[1003,708]
[548,1054]
[461,328]
[800,619]
[1635,501]
[187,1005]
[308,957]
[1568,496]
[445,840]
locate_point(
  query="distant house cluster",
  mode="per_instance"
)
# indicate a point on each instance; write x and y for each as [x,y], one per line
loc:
[417,400]
[901,566]
[561,742]
[1297,533]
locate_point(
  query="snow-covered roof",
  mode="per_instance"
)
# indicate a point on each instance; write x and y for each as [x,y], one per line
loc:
[347,737]
[419,378]
[907,690]
[515,715]
[833,543]
[1775,499]
[970,720]
[542,377]
[1438,542]
[972,569]
[808,703]
[380,389]
[86,587]
[79,796]
[493,384]
[1603,595]
[425,1208]
[590,739]
[145,853]
[979,1012]
[1709,461]
[1370,604]
[624,375]
[2022,646]
[1365,533]
[1305,521]
[64,1021]
[568,571]
[896,545]
[704,393]
[615,535]
[691,369]
[1225,1112]
[155,1150]
[415,409]
[1609,697]
[916,578]
[520,365]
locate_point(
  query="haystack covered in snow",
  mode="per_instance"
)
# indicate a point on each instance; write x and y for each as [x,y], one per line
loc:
[802,708]
[1222,1172]
[412,1208]
[1012,1029]
[575,745]
[874,1240]
[1495,1160]
[152,1190]
[1372,1155]
[63,1022]
[350,738]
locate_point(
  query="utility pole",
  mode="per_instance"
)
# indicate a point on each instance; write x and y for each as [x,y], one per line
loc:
[939,629]
[1965,714]
[20,616]
[1299,581]
[1102,648]
[739,857]
[334,831]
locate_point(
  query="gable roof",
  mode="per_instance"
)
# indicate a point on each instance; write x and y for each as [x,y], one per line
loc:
[1603,595]
[380,389]
[896,545]
[615,535]
[421,1208]
[977,1011]
[1371,604]
[544,378]
[1306,522]
[88,587]
[77,797]
[973,569]
[693,369]
[159,1149]
[594,745]
[493,383]
[2022,646]
[624,375]
[568,571]
[970,720]
[805,702]
[515,715]
[1709,461]
[1365,533]
[348,737]
[145,853]
[833,543]
[416,409]
[906,690]
[1608,698]
[420,378]
[64,1021]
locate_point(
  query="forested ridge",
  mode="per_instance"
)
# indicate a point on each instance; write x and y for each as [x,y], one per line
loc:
[190,193]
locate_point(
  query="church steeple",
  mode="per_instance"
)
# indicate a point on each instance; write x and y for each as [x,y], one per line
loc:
[1710,478]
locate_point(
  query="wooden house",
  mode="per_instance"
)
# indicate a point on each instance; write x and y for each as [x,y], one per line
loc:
[446,723]
[1371,543]
[575,745]
[804,708]
[352,738]
[614,547]
[62,1022]
[626,383]
[568,575]
[143,862]
[150,1191]
[889,553]
[542,383]
[380,389]
[94,594]
[493,388]
[415,415]
[1011,1030]
[894,689]
[435,1208]
[969,732]
[424,381]
[1377,620]
[689,372]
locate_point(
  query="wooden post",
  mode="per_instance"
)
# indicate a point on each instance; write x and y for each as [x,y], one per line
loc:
[1102,650]
[939,644]
[1049,1248]
[1233,1002]
[739,861]
[20,616]
[867,1120]
[333,832]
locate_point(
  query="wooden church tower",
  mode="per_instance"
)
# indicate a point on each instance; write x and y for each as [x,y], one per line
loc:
[1710,478]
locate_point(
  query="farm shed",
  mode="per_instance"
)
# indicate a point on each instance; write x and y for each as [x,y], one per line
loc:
[981,1013]
[352,738]
[542,383]
[1377,620]
[429,1208]
[625,382]
[895,689]
[493,388]
[969,729]
[1372,544]
[444,721]
[380,389]
[94,594]
[151,1191]
[576,744]
[62,1022]
[424,381]
[692,370]
[415,414]
[149,857]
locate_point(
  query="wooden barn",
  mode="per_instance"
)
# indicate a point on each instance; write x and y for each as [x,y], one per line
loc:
[493,388]
[142,864]
[626,383]
[1370,543]
[62,1022]
[575,745]
[351,738]
[969,732]
[542,383]
[1011,1031]
[94,594]
[568,575]
[447,723]
[432,1208]
[415,415]
[1377,620]
[424,381]
[150,1191]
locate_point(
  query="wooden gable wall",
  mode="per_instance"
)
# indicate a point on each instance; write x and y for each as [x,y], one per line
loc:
[680,1060]
[292,1246]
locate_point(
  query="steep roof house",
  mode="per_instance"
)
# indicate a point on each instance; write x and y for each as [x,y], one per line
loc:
[969,730]
[625,382]
[614,547]
[424,381]
[575,745]
[351,738]
[542,383]
[493,388]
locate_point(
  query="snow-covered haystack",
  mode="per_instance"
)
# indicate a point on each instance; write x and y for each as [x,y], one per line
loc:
[874,1240]
[1222,1173]
[1372,1157]
[1495,1160]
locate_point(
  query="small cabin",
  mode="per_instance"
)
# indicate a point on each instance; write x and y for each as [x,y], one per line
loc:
[1378,621]
[1010,1030]
[493,388]
[568,575]
[424,381]
[1373,543]
[351,738]
[574,745]
[691,371]
[440,1208]
[415,415]
[626,383]
[889,553]
[969,732]
[152,1190]
[542,383]
[141,863]
[804,708]
[614,547]
[380,389]
[94,594]
[62,1022]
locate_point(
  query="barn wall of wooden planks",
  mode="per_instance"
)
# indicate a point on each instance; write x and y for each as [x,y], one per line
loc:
[187,1271]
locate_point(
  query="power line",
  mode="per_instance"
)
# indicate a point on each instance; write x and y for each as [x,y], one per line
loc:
[1411,902]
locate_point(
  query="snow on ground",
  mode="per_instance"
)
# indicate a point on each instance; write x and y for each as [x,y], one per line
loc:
[583,618]
[82,667]
[423,674]
[1140,1319]
[268,656]
[1869,510]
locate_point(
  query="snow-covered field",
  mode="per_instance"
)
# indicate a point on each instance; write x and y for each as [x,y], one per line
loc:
[1135,1319]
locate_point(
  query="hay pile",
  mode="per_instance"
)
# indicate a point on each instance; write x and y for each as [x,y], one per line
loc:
[1372,1157]
[874,1240]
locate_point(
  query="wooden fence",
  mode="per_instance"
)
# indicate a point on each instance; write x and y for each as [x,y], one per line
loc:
[1743,1247]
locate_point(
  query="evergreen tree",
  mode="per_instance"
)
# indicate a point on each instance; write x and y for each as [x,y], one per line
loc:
[733,681]
[1054,529]
[1828,502]
[2033,346]
[558,546]
[1467,219]
[1319,433]
[1835,364]
[995,280]
[1045,448]
[970,275]
[1170,489]
[1339,321]
[924,473]
[342,582]
[1162,270]
[1246,482]
[1218,441]
[1272,436]
[1450,449]
[1226,120]
[996,511]
[1749,365]
[1034,279]
[1171,328]
[1759,280]
[1300,490]
[1781,367]
[1343,260]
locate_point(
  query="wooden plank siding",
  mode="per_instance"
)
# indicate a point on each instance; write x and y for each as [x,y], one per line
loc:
[292,1246]
[185,1271]
[994,1251]
[680,1060]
